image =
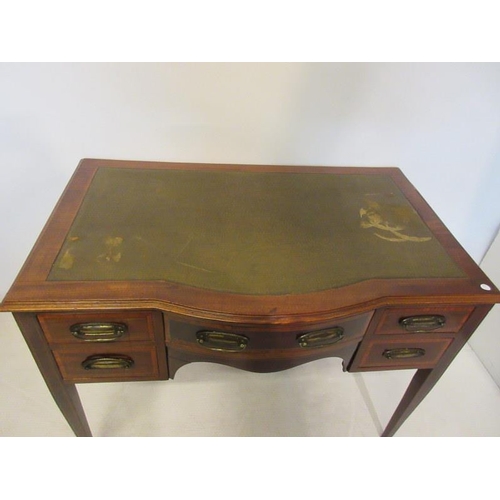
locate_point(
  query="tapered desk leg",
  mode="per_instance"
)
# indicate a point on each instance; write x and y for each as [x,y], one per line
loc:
[424,380]
[65,395]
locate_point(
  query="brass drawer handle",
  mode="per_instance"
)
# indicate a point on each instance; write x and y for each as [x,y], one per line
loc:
[321,338]
[221,341]
[404,353]
[424,323]
[98,332]
[108,362]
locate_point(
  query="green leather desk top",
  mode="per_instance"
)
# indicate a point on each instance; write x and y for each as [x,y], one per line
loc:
[248,232]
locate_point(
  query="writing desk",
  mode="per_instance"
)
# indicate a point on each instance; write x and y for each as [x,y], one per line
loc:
[144,267]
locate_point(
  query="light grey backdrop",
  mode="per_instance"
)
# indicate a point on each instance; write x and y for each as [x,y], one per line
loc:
[439,122]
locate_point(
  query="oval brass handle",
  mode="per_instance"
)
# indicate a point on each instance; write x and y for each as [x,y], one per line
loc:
[404,353]
[108,362]
[321,338]
[98,332]
[423,323]
[221,341]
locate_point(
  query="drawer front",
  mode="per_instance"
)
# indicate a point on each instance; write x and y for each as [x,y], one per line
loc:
[221,338]
[428,320]
[389,353]
[97,327]
[107,363]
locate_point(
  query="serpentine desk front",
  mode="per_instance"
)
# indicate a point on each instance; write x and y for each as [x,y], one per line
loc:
[144,267]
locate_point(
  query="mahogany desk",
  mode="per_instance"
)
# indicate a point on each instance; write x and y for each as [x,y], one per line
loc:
[144,267]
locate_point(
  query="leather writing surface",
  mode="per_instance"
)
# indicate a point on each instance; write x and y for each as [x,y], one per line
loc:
[248,232]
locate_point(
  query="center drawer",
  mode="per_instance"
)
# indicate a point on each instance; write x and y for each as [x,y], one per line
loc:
[274,348]
[226,338]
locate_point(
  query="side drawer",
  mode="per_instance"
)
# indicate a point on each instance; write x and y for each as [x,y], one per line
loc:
[435,319]
[98,326]
[107,363]
[387,353]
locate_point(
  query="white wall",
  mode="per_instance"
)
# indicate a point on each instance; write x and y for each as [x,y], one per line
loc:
[484,342]
[440,123]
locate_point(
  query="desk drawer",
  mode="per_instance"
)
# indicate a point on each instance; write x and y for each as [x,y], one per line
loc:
[275,348]
[389,353]
[223,338]
[107,363]
[97,327]
[428,320]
